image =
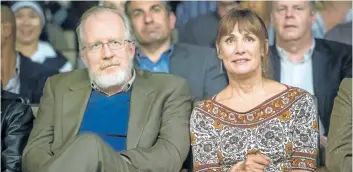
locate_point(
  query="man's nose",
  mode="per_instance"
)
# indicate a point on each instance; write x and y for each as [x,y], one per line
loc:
[107,52]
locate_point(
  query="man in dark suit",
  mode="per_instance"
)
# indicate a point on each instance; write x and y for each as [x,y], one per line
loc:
[19,74]
[153,23]
[298,59]
[202,30]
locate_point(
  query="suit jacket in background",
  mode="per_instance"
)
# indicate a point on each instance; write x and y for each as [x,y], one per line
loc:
[201,30]
[341,33]
[158,128]
[200,67]
[339,149]
[32,79]
[332,62]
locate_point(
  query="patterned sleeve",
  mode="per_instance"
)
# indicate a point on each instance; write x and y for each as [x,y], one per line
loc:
[305,134]
[203,142]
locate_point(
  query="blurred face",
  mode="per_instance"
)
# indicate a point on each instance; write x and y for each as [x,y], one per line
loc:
[224,6]
[260,7]
[28,25]
[3,33]
[118,5]
[107,53]
[241,52]
[151,21]
[292,19]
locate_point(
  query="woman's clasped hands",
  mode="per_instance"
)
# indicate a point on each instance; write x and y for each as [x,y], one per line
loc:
[253,163]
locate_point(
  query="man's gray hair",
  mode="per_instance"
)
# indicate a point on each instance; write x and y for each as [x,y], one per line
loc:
[311,5]
[99,9]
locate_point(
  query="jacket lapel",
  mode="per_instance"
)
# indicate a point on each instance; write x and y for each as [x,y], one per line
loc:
[142,97]
[275,64]
[74,105]
[178,63]
[320,69]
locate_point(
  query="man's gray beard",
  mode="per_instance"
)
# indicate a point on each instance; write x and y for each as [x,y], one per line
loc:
[116,79]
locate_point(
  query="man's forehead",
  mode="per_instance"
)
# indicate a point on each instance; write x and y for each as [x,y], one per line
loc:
[104,16]
[143,4]
[289,3]
[103,20]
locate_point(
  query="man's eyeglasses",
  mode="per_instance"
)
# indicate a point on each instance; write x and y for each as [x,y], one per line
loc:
[113,45]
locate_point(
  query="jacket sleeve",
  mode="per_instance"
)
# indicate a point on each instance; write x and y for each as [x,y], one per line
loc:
[173,143]
[42,135]
[339,148]
[17,125]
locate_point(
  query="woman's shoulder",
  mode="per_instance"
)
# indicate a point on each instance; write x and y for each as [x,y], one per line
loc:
[300,96]
[203,103]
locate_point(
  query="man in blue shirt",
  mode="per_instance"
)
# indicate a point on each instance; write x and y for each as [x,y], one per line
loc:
[153,24]
[109,116]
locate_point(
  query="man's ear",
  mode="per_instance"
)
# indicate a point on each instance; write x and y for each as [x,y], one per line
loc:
[83,58]
[132,49]
[313,17]
[172,20]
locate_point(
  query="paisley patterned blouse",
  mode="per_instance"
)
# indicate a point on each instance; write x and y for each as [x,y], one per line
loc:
[284,128]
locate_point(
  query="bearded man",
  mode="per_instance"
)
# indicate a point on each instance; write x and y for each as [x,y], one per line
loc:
[110,116]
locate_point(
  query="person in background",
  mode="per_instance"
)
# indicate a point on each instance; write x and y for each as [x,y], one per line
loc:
[332,14]
[341,33]
[109,116]
[339,149]
[16,125]
[30,21]
[202,30]
[118,5]
[153,24]
[19,74]
[255,123]
[187,10]
[315,65]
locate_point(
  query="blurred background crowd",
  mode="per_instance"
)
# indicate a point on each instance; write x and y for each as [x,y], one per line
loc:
[46,43]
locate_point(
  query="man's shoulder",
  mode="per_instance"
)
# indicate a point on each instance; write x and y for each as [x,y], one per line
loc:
[158,78]
[12,97]
[346,86]
[69,77]
[333,46]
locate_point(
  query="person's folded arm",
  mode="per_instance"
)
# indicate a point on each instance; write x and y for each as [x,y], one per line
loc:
[173,142]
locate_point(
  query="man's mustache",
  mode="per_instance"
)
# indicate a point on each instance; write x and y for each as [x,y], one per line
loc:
[109,64]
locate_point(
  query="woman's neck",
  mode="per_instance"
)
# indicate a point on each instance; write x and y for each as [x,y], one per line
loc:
[27,50]
[244,86]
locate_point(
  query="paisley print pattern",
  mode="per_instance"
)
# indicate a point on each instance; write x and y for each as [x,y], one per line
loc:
[284,128]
